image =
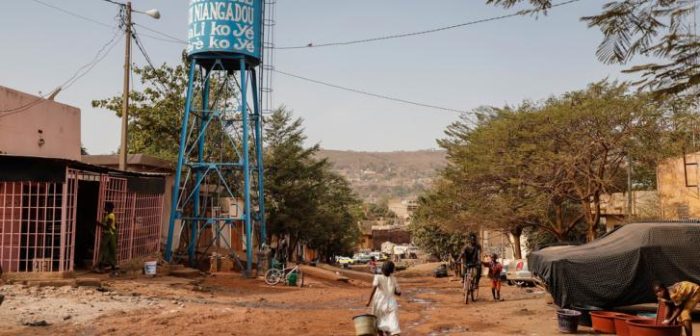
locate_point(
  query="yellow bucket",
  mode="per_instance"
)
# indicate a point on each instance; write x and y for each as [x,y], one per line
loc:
[365,325]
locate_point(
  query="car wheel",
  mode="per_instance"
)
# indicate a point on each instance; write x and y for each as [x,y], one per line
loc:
[510,283]
[520,283]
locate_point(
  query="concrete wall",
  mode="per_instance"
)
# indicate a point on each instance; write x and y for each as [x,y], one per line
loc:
[396,236]
[38,127]
[677,200]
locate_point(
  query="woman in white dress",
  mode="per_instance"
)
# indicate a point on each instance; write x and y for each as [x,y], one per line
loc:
[383,301]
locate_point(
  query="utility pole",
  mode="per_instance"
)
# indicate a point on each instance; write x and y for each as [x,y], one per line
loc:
[124,149]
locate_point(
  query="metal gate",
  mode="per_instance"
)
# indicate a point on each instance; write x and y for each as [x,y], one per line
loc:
[112,189]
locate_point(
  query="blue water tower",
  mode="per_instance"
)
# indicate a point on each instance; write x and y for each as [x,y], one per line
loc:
[220,28]
[219,164]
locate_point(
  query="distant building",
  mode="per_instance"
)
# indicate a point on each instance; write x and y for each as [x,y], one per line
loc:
[403,209]
[677,196]
[614,207]
[678,179]
[365,242]
[396,235]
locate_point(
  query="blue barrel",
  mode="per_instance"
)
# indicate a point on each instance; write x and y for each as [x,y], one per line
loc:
[226,28]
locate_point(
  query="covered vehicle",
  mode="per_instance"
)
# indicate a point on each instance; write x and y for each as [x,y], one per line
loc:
[619,268]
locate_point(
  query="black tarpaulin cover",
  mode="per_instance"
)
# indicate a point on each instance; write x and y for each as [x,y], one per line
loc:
[618,269]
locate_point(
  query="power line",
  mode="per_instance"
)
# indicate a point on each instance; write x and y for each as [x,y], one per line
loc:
[101,54]
[77,75]
[170,38]
[114,2]
[72,13]
[367,93]
[423,32]
[142,48]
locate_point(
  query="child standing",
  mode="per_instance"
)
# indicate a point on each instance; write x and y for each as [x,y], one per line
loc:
[383,301]
[495,269]
[372,265]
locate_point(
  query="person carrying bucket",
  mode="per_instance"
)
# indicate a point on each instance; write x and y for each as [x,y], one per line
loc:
[682,297]
[383,301]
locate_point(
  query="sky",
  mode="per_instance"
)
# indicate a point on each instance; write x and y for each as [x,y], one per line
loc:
[494,63]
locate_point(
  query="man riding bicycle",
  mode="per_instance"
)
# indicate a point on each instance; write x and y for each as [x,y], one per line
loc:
[471,257]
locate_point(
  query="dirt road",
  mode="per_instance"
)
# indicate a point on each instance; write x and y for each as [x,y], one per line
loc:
[226,304]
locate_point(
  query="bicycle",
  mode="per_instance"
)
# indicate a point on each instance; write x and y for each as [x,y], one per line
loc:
[274,275]
[470,285]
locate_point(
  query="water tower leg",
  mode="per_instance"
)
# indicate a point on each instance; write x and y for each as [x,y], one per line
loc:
[246,167]
[174,213]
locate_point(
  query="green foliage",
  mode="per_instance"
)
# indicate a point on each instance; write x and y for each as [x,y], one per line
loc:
[379,211]
[544,166]
[304,198]
[155,112]
[430,236]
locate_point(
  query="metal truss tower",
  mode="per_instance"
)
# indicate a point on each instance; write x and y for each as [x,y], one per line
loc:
[219,165]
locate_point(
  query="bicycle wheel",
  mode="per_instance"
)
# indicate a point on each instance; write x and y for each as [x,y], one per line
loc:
[475,290]
[466,287]
[273,276]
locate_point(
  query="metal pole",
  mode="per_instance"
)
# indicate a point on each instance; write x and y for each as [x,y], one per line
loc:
[180,159]
[259,158]
[194,232]
[125,98]
[246,168]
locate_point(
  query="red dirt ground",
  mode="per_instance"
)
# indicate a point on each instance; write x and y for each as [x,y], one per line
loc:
[226,304]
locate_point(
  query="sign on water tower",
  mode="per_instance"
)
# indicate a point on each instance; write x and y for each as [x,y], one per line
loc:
[233,27]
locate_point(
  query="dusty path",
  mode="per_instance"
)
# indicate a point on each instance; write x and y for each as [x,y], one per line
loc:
[230,305]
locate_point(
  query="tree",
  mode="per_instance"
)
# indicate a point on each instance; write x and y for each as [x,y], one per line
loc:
[542,167]
[155,112]
[379,211]
[647,28]
[304,199]
[429,233]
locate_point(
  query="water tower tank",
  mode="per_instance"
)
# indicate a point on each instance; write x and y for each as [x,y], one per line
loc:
[226,28]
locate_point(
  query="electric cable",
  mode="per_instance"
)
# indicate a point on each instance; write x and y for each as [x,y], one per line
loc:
[424,32]
[371,94]
[78,74]
[170,38]
[142,48]
[173,39]
[74,14]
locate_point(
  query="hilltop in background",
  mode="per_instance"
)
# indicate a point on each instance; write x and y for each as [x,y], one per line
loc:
[386,175]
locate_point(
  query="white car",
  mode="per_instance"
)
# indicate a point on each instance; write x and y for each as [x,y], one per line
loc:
[379,256]
[344,260]
[518,274]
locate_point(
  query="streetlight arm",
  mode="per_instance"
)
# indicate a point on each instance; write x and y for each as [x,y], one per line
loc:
[154,13]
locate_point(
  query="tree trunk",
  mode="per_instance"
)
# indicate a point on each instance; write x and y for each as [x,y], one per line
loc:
[515,235]
[594,219]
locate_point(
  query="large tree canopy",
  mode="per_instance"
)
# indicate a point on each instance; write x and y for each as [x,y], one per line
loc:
[544,166]
[304,198]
